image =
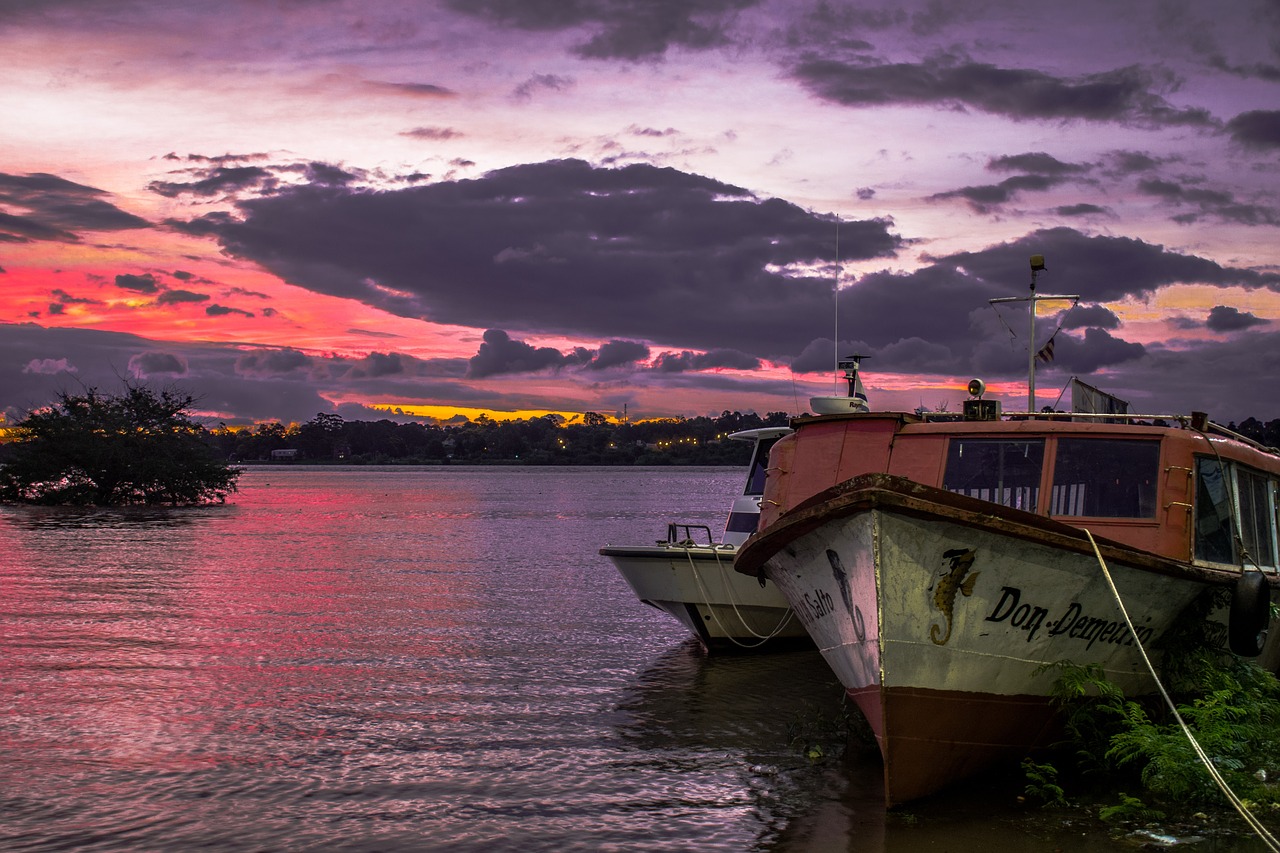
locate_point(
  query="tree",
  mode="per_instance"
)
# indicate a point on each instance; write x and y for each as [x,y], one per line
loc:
[95,449]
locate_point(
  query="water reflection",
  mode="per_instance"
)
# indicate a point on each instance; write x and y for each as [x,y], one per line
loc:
[38,518]
[400,659]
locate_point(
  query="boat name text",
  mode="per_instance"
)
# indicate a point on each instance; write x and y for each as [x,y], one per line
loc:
[818,603]
[1075,624]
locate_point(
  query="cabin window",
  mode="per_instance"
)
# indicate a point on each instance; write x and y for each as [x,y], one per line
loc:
[742,522]
[759,464]
[1213,513]
[1224,490]
[1256,515]
[1105,478]
[999,470]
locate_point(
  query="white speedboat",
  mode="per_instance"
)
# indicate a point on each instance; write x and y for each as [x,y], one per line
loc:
[690,576]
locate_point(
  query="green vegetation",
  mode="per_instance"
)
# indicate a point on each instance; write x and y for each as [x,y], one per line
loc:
[94,449]
[1042,784]
[546,440]
[1231,705]
[143,447]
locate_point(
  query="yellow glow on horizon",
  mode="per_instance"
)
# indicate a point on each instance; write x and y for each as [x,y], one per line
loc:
[445,413]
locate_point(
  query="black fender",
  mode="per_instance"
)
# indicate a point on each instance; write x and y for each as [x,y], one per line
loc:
[1250,614]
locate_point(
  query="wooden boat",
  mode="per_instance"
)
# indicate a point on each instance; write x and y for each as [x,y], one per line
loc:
[690,577]
[940,563]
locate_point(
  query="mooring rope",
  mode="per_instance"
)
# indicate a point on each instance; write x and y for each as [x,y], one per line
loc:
[706,598]
[1261,831]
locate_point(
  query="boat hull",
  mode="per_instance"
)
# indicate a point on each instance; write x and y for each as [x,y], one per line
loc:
[941,615]
[697,586]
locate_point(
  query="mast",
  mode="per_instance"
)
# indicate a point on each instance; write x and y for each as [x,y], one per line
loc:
[1037,266]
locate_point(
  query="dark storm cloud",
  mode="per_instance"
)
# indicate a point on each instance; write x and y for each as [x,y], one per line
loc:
[329,175]
[1082,316]
[1099,269]
[46,207]
[622,29]
[500,354]
[618,354]
[178,297]
[1082,209]
[378,364]
[1257,70]
[1256,129]
[218,158]
[223,310]
[551,82]
[221,180]
[1044,173]
[636,253]
[983,199]
[1132,162]
[1208,203]
[149,364]
[272,362]
[145,283]
[435,134]
[419,90]
[673,362]
[1221,379]
[1036,162]
[1224,318]
[1125,95]
[238,386]
[1097,350]
[67,299]
[904,354]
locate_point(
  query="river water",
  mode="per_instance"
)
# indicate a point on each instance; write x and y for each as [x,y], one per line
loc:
[361,659]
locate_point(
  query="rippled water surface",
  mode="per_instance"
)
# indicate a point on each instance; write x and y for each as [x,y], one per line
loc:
[410,659]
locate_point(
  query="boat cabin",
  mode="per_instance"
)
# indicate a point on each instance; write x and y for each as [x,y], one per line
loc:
[1172,490]
[744,514]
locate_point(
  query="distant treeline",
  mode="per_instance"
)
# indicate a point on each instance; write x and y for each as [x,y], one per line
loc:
[546,440]
[1268,433]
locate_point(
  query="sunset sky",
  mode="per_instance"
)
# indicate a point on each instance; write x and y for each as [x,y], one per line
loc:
[526,206]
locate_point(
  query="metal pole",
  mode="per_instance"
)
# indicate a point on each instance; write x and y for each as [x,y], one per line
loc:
[1031,348]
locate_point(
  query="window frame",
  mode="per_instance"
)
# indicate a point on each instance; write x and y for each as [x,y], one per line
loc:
[1051,476]
[1267,484]
[1038,441]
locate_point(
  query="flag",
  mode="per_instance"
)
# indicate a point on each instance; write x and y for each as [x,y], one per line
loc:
[1046,352]
[1086,399]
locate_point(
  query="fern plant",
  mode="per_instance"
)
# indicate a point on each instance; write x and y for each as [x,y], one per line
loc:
[1237,725]
[1231,706]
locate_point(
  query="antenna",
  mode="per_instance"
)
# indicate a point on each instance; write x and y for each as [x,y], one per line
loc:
[835,340]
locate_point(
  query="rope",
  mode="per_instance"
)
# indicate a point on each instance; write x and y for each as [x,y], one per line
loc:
[1262,832]
[1063,392]
[1013,336]
[706,599]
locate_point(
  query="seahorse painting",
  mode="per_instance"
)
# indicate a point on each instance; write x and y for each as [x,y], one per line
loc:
[956,579]
[842,578]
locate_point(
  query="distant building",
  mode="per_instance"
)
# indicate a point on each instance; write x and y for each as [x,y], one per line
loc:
[287,455]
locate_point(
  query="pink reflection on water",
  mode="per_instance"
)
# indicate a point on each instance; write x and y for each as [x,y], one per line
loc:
[175,640]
